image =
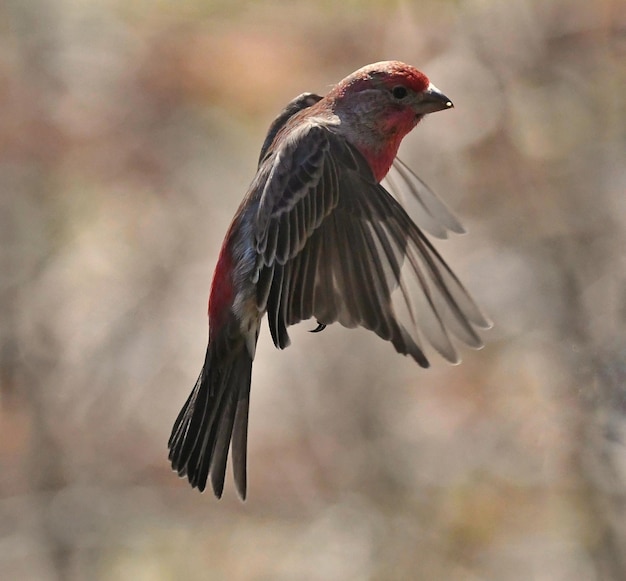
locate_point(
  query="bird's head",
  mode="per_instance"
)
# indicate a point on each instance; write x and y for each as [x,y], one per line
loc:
[379,104]
[390,89]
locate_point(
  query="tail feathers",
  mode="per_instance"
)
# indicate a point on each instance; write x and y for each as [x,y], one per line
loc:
[215,413]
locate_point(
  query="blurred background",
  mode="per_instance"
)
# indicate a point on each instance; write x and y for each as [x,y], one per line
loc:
[129,131]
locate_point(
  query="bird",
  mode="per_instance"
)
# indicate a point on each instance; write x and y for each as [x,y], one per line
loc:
[321,235]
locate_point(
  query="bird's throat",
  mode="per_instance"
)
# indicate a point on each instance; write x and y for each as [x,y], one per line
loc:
[383,148]
[380,159]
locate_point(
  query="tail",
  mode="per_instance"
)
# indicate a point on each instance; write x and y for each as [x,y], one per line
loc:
[215,413]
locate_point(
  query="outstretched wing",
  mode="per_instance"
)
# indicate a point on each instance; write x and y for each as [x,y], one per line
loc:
[420,202]
[333,244]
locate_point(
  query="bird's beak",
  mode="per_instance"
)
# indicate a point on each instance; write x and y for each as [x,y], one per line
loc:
[432,100]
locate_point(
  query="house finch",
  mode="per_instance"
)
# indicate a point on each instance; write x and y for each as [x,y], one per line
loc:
[318,236]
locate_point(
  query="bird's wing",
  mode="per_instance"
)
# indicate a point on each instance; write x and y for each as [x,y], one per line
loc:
[303,101]
[420,202]
[333,244]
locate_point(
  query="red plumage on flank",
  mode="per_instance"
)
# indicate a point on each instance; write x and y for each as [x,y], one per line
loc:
[221,297]
[318,236]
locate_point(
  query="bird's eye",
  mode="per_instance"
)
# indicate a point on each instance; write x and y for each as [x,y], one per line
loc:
[399,92]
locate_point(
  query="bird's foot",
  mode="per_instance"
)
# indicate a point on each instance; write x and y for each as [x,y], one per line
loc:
[320,327]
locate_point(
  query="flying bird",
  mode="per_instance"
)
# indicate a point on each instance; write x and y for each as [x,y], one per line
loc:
[318,236]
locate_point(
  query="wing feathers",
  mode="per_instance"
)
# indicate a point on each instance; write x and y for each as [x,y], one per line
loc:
[426,208]
[335,245]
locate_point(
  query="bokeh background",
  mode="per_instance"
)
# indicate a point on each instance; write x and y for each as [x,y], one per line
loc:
[129,131]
